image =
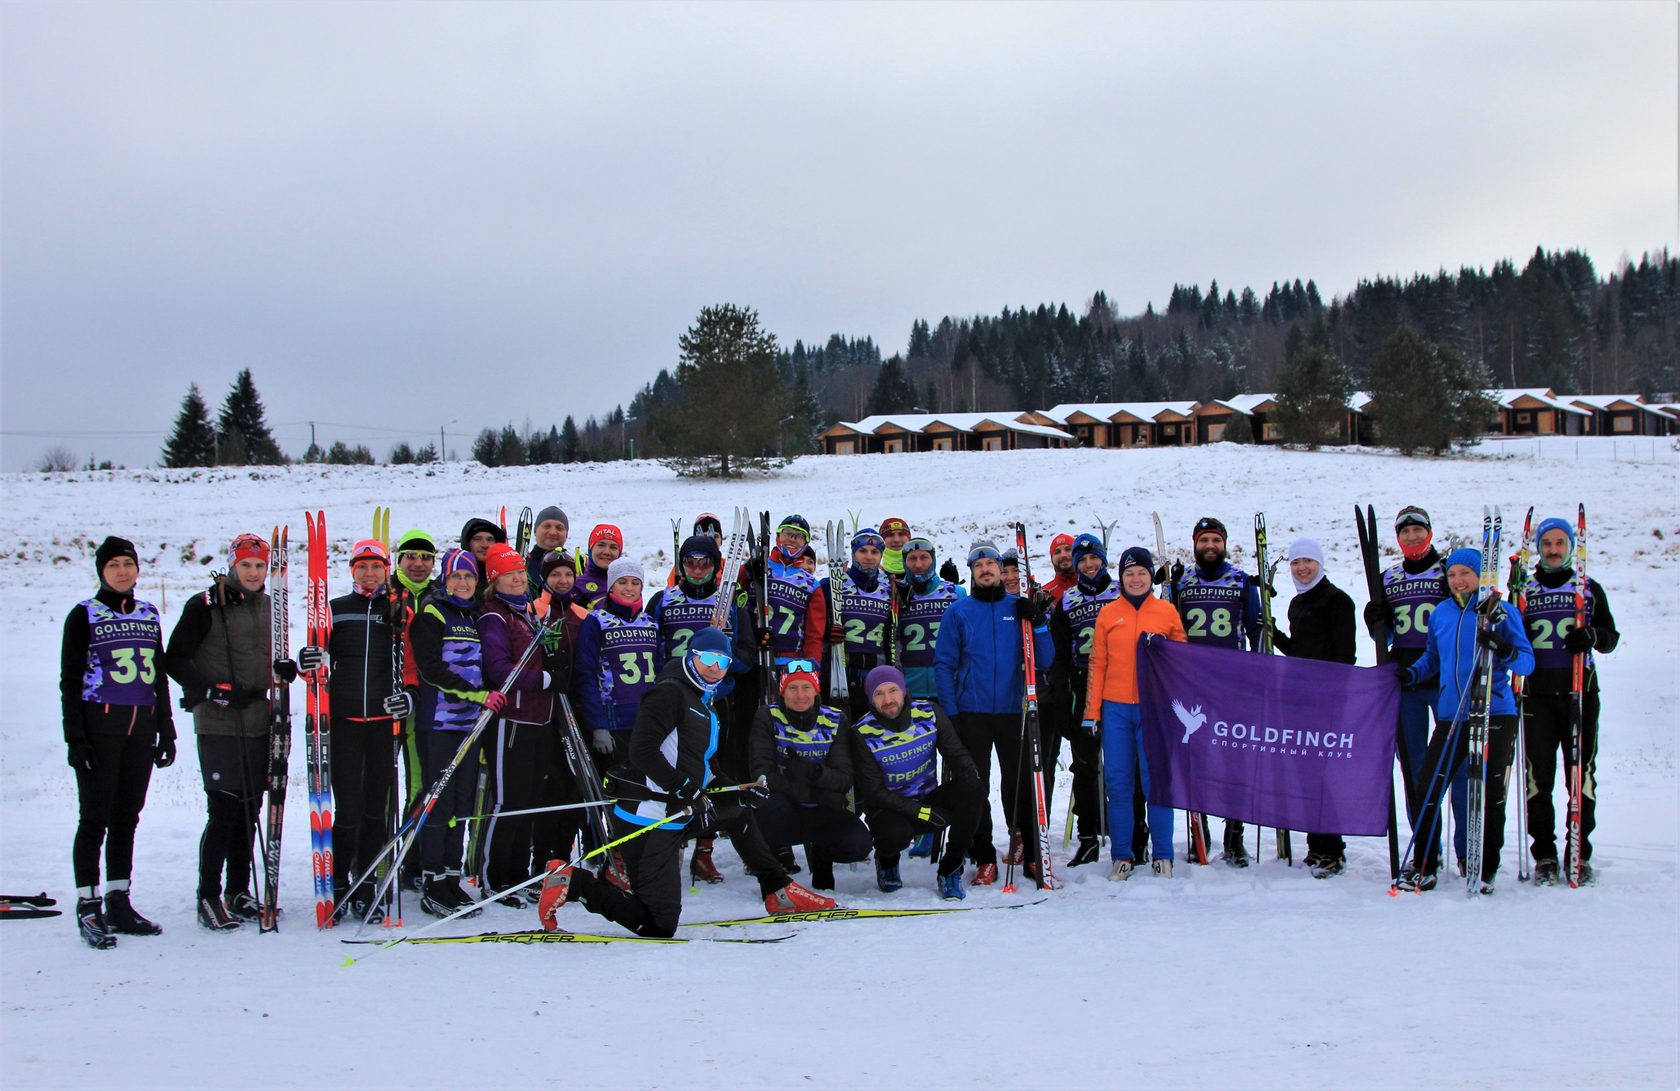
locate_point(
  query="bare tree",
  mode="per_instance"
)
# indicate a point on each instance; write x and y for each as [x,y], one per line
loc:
[57,460]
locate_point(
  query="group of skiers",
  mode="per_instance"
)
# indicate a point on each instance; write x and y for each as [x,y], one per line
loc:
[552,718]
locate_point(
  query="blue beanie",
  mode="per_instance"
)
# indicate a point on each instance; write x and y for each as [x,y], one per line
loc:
[1466,556]
[1088,543]
[1137,555]
[710,639]
[1554,523]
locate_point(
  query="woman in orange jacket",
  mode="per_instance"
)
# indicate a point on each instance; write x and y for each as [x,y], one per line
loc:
[1111,700]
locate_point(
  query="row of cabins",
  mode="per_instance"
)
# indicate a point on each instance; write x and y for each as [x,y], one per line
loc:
[1522,412]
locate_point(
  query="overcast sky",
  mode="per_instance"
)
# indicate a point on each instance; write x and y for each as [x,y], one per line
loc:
[400,215]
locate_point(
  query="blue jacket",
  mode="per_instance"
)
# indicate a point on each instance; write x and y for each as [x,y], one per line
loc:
[978,660]
[1451,652]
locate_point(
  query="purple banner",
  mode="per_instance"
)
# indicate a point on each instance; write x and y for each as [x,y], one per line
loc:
[1296,744]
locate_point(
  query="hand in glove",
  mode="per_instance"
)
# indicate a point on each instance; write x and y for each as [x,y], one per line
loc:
[1498,641]
[836,634]
[933,817]
[755,795]
[226,696]
[286,671]
[1379,616]
[1492,609]
[163,755]
[1091,727]
[495,700]
[399,706]
[81,755]
[948,571]
[602,740]
[802,769]
[1580,640]
[311,659]
[1405,674]
[1035,605]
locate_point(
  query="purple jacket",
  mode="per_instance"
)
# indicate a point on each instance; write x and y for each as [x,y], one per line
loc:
[505,634]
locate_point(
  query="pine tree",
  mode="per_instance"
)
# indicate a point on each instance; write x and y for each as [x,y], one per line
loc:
[1424,397]
[486,448]
[402,454]
[893,393]
[571,444]
[1312,394]
[242,416]
[730,393]
[193,442]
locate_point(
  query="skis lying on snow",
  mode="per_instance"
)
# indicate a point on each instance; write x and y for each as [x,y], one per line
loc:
[23,907]
[844,914]
[579,937]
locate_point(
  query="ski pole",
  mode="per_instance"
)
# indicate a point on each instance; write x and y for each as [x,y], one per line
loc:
[537,878]
[1441,776]
[747,787]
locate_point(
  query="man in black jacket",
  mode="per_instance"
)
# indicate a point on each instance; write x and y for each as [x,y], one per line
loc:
[665,776]
[1320,627]
[803,751]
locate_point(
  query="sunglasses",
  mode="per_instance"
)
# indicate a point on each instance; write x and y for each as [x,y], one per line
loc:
[715,660]
[416,555]
[800,666]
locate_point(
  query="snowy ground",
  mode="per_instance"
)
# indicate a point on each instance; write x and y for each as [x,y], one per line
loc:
[1260,978]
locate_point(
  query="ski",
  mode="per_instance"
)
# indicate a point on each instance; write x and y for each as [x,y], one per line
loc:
[580,937]
[581,765]
[734,556]
[1366,522]
[1263,577]
[1047,878]
[319,742]
[1481,701]
[279,729]
[835,533]
[1577,684]
[382,526]
[522,532]
[766,652]
[1516,590]
[23,907]
[844,914]
[1195,822]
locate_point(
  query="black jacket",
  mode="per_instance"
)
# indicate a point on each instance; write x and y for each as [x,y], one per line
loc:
[806,781]
[677,705]
[872,792]
[361,649]
[1320,625]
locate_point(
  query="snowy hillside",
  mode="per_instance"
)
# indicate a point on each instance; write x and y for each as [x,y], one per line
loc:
[1254,978]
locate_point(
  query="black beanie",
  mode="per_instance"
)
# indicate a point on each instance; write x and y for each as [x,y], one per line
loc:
[111,548]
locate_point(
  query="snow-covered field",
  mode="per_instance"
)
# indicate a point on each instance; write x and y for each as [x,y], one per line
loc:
[1258,978]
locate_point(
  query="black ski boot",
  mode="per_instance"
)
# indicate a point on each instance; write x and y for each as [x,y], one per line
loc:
[1088,852]
[1545,872]
[91,923]
[1324,866]
[1236,853]
[121,917]
[212,914]
[244,906]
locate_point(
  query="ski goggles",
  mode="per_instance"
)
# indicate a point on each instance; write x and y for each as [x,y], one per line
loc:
[716,660]
[918,543]
[416,555]
[800,666]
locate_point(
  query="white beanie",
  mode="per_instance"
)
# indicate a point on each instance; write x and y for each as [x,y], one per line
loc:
[624,566]
[1306,549]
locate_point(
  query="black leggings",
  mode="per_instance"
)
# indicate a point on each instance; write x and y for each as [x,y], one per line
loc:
[110,796]
[362,773]
[234,770]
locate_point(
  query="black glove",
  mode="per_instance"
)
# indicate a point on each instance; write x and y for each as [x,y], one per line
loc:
[802,769]
[1580,640]
[965,774]
[836,634]
[1498,641]
[163,755]
[1379,616]
[81,755]
[755,794]
[1492,609]
[1162,574]
[399,705]
[286,671]
[1178,572]
[311,659]
[226,696]
[1407,676]
[1035,605]
[932,817]
[948,571]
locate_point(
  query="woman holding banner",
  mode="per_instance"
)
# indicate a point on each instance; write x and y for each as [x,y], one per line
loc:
[1111,704]
[1320,627]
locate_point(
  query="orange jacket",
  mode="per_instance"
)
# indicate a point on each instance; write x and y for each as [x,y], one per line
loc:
[1113,669]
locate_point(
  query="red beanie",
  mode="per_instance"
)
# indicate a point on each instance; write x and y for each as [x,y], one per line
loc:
[606,532]
[800,676]
[500,560]
[1061,540]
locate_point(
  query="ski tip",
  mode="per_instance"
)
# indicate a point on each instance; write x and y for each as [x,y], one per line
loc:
[348,962]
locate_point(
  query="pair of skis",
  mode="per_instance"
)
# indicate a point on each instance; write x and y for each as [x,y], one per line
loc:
[279,728]
[1047,878]
[1366,522]
[1263,576]
[319,742]
[1481,703]
[23,907]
